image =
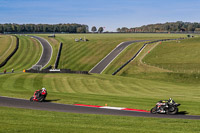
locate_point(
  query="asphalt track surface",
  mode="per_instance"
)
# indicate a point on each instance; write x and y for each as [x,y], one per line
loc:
[101,66]
[47,52]
[48,106]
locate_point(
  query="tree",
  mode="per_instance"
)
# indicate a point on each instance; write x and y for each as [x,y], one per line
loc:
[70,28]
[94,29]
[100,30]
[118,30]
[1,28]
[124,29]
[81,30]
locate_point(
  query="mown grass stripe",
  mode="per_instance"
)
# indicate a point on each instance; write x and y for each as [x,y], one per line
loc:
[38,81]
[26,55]
[7,45]
[24,49]
[100,89]
[90,88]
[166,56]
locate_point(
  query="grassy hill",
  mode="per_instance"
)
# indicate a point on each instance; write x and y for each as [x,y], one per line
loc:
[85,55]
[7,45]
[176,56]
[27,55]
[139,85]
[169,61]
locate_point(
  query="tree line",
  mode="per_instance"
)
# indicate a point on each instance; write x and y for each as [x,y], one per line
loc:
[178,26]
[100,30]
[67,28]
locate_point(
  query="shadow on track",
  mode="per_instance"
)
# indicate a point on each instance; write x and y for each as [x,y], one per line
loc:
[51,100]
[182,113]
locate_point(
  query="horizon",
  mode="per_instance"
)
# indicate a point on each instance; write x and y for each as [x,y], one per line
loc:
[111,14]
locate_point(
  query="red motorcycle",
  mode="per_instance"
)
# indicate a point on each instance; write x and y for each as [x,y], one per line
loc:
[39,95]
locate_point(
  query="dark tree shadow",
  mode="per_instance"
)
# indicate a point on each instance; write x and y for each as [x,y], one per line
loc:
[51,100]
[182,113]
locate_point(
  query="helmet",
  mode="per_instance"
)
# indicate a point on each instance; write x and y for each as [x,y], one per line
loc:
[43,89]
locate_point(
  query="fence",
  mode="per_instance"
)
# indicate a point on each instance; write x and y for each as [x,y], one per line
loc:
[56,71]
[58,56]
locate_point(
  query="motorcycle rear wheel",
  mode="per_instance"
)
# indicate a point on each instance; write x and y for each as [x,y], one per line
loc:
[173,112]
[154,110]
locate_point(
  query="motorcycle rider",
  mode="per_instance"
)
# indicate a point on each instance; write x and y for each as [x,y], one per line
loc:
[171,101]
[40,94]
[165,103]
[44,91]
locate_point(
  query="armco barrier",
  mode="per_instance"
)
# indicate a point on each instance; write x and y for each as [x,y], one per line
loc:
[140,51]
[56,71]
[58,56]
[49,67]
[14,51]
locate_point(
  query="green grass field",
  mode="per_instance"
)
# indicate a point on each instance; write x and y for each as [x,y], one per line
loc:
[7,45]
[180,56]
[152,64]
[28,54]
[103,89]
[85,55]
[31,121]
[139,85]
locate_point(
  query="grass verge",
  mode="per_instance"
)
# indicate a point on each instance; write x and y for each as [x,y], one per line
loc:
[103,89]
[25,120]
[178,56]
[27,55]
[7,45]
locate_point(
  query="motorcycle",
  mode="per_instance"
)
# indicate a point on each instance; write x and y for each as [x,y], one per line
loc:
[165,107]
[38,96]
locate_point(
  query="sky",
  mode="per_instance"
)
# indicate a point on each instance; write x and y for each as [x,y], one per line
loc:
[111,14]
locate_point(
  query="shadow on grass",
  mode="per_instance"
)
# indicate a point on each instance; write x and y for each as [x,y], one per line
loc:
[182,113]
[51,100]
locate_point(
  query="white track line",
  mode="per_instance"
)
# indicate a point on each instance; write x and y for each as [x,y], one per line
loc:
[115,57]
[115,108]
[43,51]
[51,52]
[105,57]
[139,52]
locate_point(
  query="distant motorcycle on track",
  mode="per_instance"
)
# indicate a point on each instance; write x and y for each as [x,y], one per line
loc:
[166,107]
[39,95]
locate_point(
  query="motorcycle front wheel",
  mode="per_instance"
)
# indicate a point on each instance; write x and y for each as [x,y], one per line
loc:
[154,110]
[31,99]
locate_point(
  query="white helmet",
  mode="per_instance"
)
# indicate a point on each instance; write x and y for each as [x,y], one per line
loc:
[43,89]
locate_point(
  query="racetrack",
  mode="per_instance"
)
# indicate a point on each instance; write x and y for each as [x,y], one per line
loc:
[48,106]
[47,52]
[101,66]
